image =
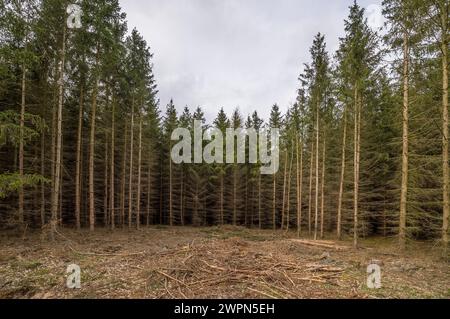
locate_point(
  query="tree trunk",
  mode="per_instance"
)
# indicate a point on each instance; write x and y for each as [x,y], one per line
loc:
[92,147]
[356,168]
[113,173]
[130,181]
[182,194]
[404,186]
[234,195]
[105,184]
[222,221]
[299,186]
[149,190]
[316,218]
[42,184]
[78,162]
[311,170]
[123,178]
[259,201]
[21,146]
[138,200]
[274,202]
[170,192]
[322,196]
[288,196]
[56,189]
[286,161]
[446,205]
[342,180]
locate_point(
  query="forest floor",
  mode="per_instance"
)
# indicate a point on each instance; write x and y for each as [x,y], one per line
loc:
[229,262]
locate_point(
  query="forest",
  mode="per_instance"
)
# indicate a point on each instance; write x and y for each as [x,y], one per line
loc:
[85,143]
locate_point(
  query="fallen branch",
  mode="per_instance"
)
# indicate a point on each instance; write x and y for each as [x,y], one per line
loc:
[320,244]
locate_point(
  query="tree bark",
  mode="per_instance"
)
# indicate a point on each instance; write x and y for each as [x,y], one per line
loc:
[21,146]
[105,184]
[123,178]
[130,181]
[170,192]
[286,161]
[311,170]
[222,221]
[42,184]
[405,153]
[78,162]
[299,186]
[316,218]
[113,168]
[56,189]
[149,190]
[234,195]
[341,183]
[356,168]
[446,188]
[274,202]
[322,196]
[182,196]
[138,200]
[92,146]
[288,198]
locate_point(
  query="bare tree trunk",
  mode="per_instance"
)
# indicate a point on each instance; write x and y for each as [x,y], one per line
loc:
[274,202]
[356,168]
[170,193]
[21,146]
[149,190]
[195,217]
[123,178]
[311,170]
[342,180]
[42,184]
[91,160]
[288,198]
[316,219]
[53,147]
[246,197]
[182,195]
[138,200]
[92,148]
[286,161]
[446,205]
[299,186]
[78,162]
[161,180]
[60,217]
[105,185]
[404,186]
[322,196]
[259,202]
[113,167]
[222,221]
[234,195]
[130,182]
[56,189]
[253,207]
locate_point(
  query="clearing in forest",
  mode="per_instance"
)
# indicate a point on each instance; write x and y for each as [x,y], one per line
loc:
[226,262]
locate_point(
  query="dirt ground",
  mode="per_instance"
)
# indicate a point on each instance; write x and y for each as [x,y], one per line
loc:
[228,262]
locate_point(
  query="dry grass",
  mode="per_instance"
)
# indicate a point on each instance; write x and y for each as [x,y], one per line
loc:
[228,262]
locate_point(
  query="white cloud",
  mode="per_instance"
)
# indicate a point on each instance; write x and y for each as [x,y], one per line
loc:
[229,53]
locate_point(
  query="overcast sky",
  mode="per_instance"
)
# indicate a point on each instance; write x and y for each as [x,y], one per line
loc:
[235,53]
